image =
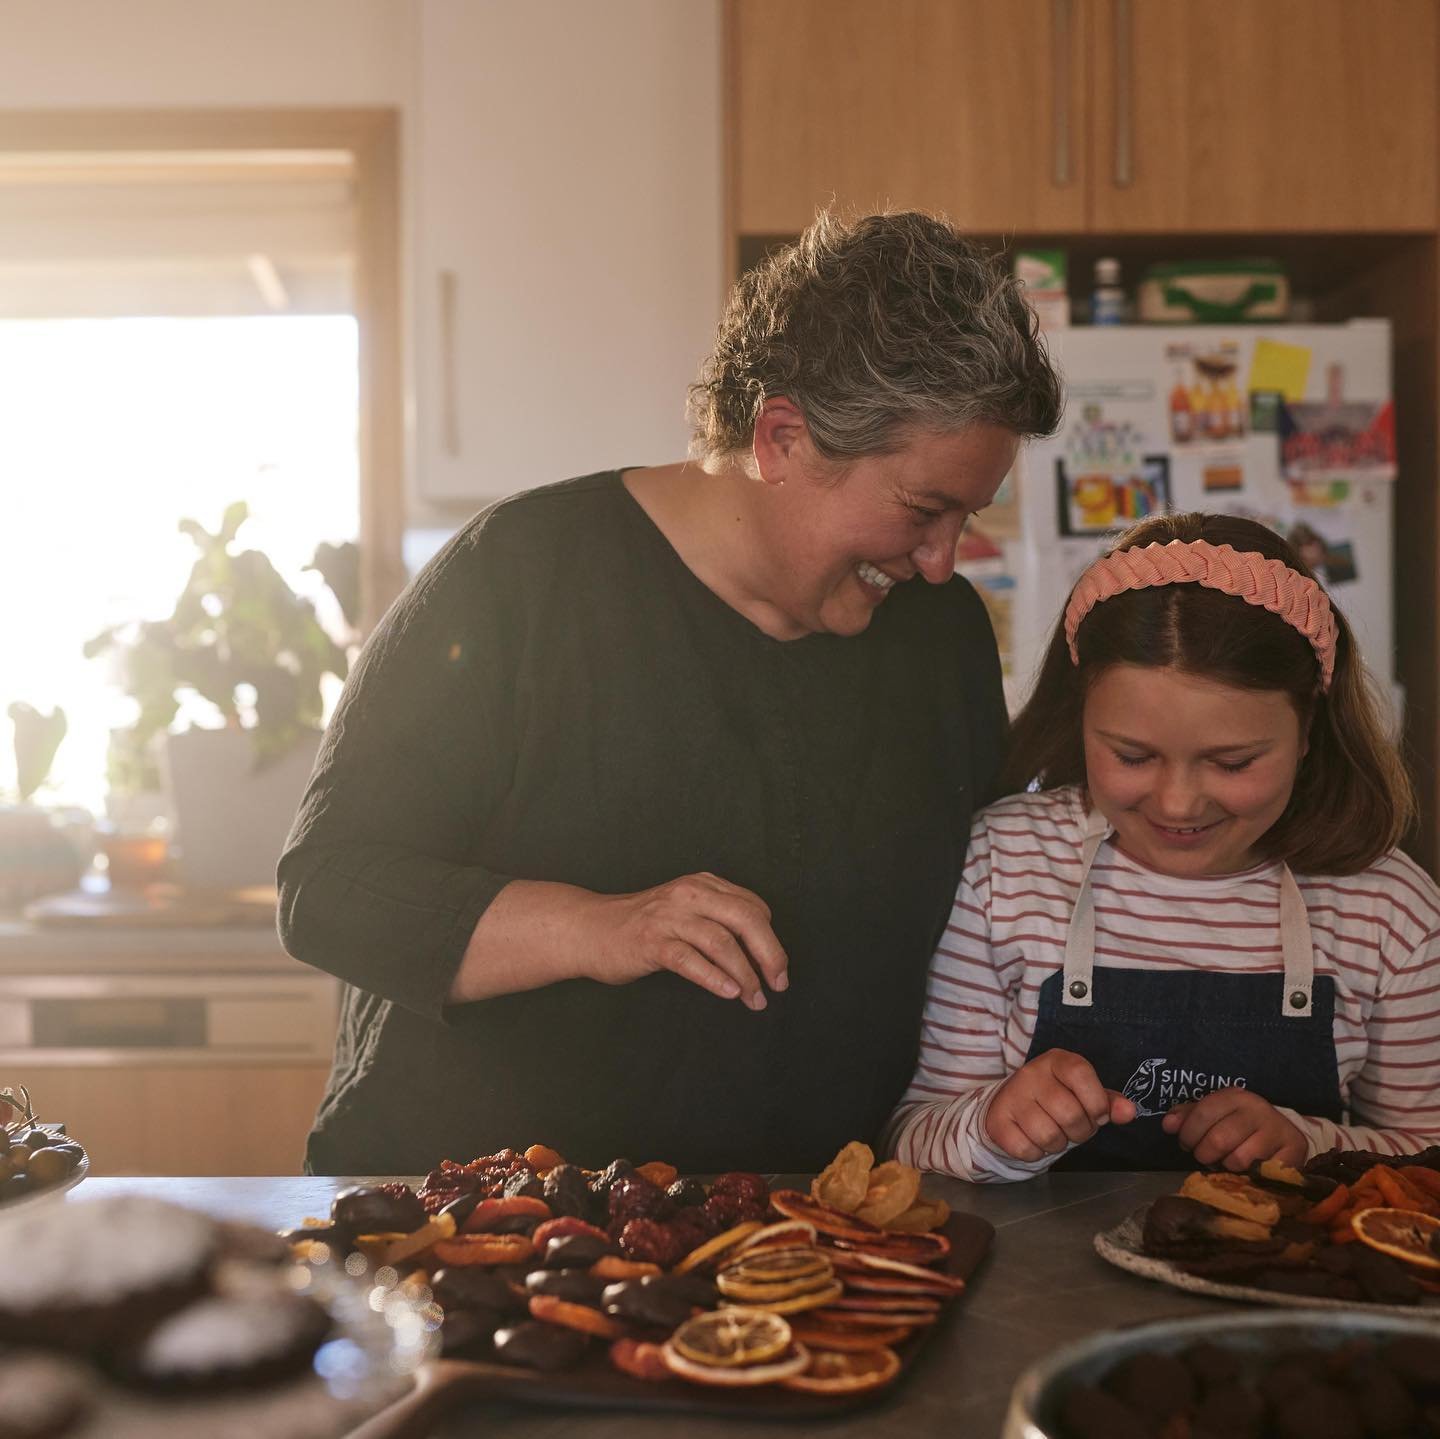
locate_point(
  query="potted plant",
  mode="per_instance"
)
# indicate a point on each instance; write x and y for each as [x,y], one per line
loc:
[242,639]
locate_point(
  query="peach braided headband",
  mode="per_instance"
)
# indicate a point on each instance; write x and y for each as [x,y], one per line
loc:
[1271,584]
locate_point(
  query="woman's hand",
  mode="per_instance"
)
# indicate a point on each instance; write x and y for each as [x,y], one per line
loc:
[1235,1127]
[1052,1102]
[699,926]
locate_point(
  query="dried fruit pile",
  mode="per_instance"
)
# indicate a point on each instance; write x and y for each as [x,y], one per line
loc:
[1373,1236]
[529,1260]
[31,1157]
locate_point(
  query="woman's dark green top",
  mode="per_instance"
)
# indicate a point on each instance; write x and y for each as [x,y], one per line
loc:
[557,697]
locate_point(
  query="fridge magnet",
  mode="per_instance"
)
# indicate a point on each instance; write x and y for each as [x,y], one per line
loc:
[998,595]
[976,544]
[1308,545]
[1328,441]
[1280,367]
[1002,514]
[1223,476]
[1265,411]
[1093,501]
[1320,494]
[1340,566]
[1205,405]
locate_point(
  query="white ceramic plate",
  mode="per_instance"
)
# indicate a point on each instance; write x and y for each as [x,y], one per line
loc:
[1122,1247]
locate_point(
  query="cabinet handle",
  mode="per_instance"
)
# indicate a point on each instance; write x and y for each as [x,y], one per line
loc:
[1124,117]
[1060,55]
[449,409]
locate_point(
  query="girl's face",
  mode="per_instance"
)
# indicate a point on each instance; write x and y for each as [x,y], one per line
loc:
[1190,772]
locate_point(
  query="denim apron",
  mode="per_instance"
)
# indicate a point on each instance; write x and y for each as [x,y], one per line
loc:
[1164,1037]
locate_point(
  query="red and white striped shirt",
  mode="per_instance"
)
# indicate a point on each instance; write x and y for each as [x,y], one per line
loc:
[1376,934]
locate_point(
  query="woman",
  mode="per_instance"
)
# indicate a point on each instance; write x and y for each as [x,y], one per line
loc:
[641,814]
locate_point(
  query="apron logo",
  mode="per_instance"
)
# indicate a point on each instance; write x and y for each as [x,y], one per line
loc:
[1155,1090]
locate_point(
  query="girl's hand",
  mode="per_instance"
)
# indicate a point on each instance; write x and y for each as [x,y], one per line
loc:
[1052,1102]
[1235,1127]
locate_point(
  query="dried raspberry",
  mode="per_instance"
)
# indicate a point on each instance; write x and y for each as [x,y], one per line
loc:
[636,1198]
[690,1229]
[746,1186]
[651,1242]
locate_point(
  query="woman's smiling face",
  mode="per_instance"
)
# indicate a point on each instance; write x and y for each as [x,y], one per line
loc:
[841,538]
[1190,772]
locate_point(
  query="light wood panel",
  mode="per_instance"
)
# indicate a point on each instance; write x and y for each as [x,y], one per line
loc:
[239,1119]
[1282,115]
[951,105]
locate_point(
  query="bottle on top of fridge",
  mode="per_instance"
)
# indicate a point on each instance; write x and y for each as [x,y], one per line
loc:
[1107,301]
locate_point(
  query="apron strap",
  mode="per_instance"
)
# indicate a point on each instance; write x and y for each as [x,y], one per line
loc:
[1077,986]
[1296,946]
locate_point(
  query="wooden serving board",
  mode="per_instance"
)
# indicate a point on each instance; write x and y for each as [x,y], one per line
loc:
[445,1384]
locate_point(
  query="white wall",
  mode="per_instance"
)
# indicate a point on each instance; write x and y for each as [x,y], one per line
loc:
[641,83]
[63,54]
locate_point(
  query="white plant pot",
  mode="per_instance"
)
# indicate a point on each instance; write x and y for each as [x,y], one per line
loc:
[231,820]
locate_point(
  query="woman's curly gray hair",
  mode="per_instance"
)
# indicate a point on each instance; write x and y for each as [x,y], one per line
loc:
[876,329]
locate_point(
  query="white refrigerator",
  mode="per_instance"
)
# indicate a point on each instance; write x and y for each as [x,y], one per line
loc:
[1289,424]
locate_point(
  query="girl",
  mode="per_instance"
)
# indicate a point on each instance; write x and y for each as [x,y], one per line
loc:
[1133,976]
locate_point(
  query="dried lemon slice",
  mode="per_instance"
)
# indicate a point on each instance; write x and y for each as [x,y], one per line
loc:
[727,1338]
[1401,1233]
[736,1376]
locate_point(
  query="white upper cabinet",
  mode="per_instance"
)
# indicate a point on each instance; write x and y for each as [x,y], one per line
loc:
[567,251]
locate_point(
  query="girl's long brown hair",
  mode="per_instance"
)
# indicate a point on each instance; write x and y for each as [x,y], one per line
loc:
[1353,800]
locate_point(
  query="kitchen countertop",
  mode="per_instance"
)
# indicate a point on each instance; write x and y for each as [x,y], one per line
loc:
[1042,1286]
[125,949]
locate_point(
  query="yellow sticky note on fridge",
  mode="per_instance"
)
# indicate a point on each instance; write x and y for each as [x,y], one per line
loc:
[1277,366]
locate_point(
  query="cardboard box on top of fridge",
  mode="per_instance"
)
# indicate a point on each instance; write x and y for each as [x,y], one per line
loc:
[1044,273]
[1214,292]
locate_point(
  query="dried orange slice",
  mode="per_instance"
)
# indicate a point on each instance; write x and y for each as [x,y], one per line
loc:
[839,1372]
[764,1294]
[794,1205]
[814,1334]
[728,1338]
[778,1265]
[787,1234]
[1401,1233]
[714,1248]
[798,1303]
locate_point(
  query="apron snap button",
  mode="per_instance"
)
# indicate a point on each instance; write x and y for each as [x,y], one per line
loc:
[1298,1000]
[1079,989]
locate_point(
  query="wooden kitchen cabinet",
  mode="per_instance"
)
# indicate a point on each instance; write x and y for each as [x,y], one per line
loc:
[169,1119]
[1291,115]
[1068,117]
[971,107]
